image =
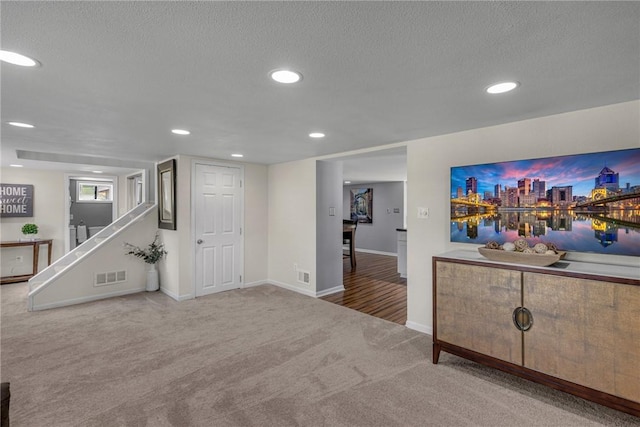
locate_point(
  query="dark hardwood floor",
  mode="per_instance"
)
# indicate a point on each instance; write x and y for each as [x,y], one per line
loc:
[373,287]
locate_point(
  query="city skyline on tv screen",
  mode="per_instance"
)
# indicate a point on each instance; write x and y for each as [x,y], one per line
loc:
[583,202]
[578,171]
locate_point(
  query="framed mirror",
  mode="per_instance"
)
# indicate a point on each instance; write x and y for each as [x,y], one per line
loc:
[167,195]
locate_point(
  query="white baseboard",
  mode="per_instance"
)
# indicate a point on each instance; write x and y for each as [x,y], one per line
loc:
[302,291]
[252,284]
[307,292]
[371,251]
[419,327]
[175,296]
[83,300]
[330,291]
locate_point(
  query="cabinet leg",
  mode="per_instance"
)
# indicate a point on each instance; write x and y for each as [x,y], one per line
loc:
[436,353]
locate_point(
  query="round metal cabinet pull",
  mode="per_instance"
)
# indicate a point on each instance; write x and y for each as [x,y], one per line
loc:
[522,318]
[199,241]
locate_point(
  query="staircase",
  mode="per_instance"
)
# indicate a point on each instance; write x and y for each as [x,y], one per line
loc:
[62,267]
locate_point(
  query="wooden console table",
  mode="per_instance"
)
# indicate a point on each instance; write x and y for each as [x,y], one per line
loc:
[35,244]
[574,328]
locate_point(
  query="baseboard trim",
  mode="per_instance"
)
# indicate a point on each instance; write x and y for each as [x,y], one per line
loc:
[329,291]
[86,299]
[252,284]
[419,327]
[175,296]
[371,251]
[306,292]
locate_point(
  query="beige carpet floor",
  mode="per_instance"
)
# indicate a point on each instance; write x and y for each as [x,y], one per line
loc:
[261,356]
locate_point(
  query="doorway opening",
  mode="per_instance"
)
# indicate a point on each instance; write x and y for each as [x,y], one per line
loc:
[135,194]
[92,204]
[374,285]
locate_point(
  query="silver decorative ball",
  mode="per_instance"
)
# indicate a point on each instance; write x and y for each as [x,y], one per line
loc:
[540,248]
[521,244]
[508,246]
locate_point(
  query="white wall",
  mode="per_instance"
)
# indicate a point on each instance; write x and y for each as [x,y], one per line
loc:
[256,223]
[381,235]
[171,268]
[77,285]
[48,213]
[430,159]
[122,195]
[292,223]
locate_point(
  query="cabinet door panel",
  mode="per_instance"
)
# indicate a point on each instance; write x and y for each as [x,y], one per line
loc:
[474,308]
[584,331]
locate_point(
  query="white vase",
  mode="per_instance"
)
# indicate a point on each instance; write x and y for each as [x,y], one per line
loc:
[153,282]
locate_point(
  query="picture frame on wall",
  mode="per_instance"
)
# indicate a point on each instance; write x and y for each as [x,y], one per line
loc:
[362,205]
[167,195]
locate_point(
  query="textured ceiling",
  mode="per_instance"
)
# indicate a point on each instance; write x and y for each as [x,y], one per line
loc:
[117,76]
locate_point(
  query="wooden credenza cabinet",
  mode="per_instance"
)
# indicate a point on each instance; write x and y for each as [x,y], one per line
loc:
[574,331]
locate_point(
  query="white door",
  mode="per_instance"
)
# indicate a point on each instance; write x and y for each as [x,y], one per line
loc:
[218,232]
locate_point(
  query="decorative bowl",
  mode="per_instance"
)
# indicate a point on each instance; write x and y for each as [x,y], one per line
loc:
[538,260]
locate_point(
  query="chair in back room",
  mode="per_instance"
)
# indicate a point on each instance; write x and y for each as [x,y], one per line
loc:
[349,227]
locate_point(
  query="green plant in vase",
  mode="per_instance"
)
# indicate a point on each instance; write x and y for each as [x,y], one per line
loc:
[153,253]
[30,230]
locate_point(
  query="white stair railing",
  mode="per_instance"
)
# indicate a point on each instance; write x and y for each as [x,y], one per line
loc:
[73,258]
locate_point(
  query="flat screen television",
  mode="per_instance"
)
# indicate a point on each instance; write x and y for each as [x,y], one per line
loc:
[583,203]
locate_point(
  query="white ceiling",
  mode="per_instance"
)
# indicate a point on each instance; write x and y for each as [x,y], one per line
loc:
[385,165]
[117,76]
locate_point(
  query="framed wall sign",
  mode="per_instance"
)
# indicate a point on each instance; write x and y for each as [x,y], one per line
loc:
[16,200]
[167,195]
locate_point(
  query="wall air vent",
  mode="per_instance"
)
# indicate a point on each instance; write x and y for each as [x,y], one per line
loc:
[303,277]
[110,278]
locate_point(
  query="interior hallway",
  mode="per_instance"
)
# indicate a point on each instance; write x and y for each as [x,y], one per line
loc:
[374,287]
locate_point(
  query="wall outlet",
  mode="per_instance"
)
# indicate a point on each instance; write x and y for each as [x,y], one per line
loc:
[295,267]
[423,213]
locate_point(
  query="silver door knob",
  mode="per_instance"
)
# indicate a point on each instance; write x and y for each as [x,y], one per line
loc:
[199,241]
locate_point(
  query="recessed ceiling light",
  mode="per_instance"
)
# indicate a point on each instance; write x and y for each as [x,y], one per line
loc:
[502,87]
[237,155]
[16,166]
[316,135]
[96,171]
[17,59]
[286,76]
[180,131]
[347,182]
[20,124]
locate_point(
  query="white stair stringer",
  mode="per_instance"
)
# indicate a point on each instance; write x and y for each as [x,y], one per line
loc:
[61,271]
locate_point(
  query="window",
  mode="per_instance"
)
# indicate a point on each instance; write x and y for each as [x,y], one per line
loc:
[95,192]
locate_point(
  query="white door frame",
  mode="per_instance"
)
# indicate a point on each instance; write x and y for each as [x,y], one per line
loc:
[67,197]
[192,233]
[143,174]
